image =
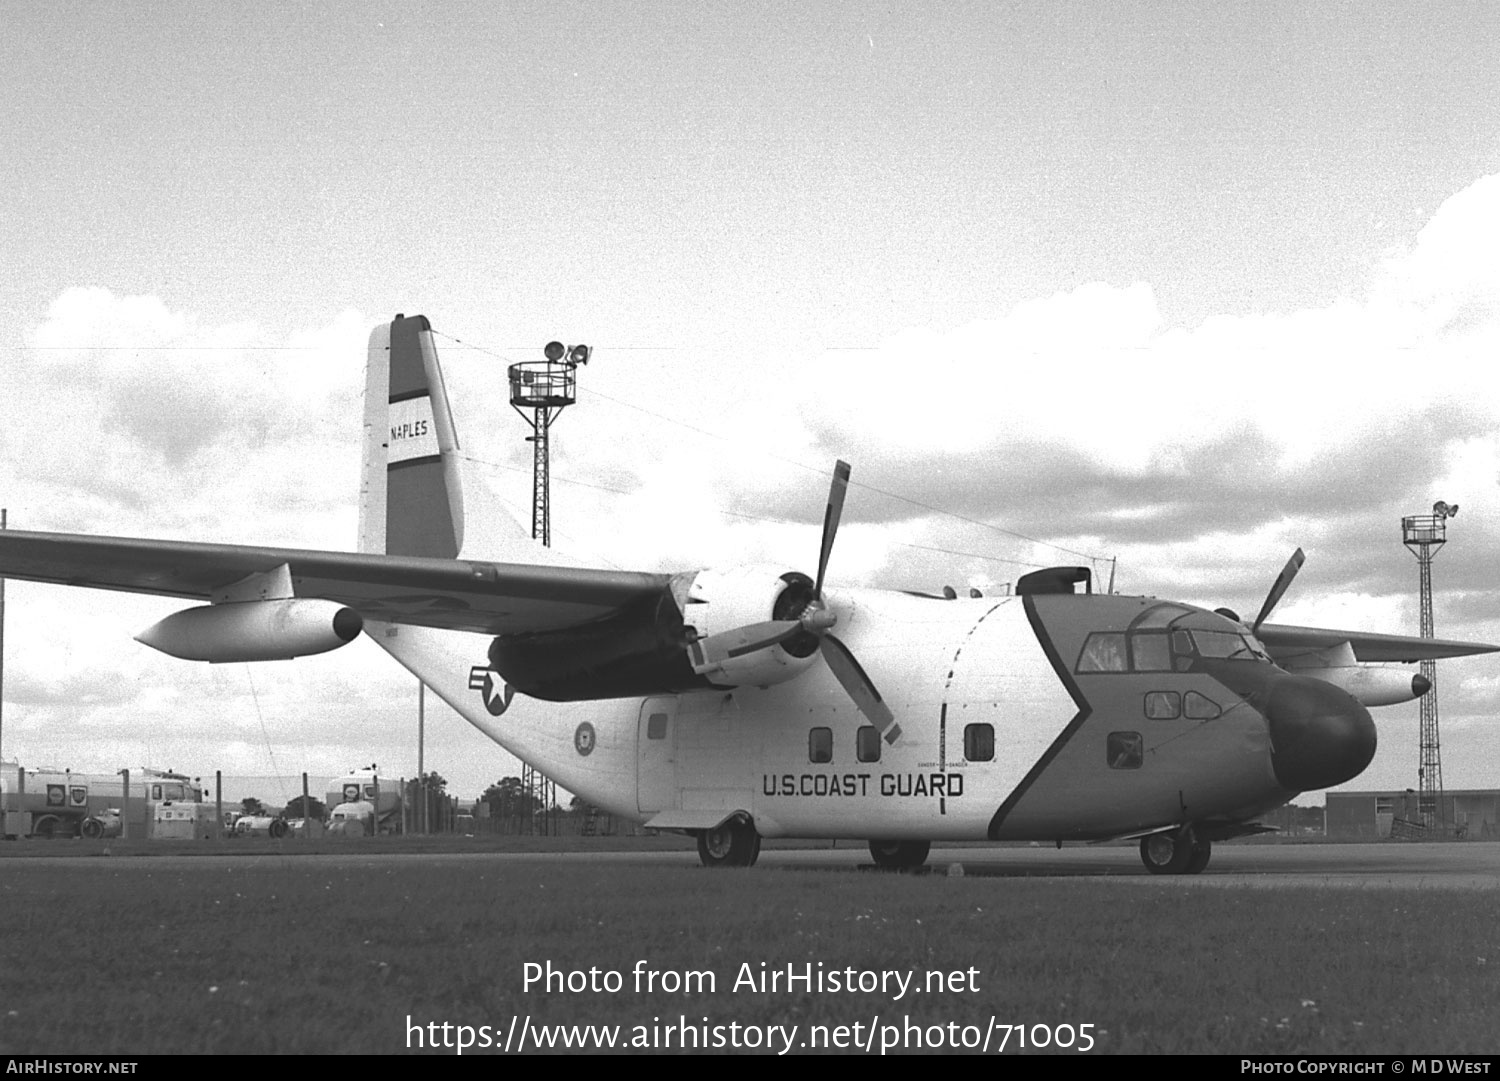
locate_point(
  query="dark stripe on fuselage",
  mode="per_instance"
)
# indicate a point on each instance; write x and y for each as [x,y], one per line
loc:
[1084,709]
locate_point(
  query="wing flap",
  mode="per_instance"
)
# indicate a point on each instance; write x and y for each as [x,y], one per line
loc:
[488,598]
[1284,643]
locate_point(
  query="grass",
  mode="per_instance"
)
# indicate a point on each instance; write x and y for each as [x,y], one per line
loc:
[301,955]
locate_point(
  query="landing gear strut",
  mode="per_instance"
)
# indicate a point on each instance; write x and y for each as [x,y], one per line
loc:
[899,855]
[1178,852]
[733,844]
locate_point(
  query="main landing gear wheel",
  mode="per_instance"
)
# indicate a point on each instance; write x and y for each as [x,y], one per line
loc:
[733,844]
[1202,850]
[899,855]
[1174,853]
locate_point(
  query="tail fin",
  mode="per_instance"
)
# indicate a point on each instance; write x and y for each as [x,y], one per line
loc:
[410,493]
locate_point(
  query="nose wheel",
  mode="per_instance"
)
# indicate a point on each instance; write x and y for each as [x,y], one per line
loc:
[1178,852]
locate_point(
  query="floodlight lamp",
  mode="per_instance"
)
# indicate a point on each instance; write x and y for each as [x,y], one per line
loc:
[579,354]
[1445,510]
[554,351]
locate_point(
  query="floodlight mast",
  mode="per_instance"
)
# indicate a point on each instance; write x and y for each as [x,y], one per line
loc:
[545,387]
[1423,535]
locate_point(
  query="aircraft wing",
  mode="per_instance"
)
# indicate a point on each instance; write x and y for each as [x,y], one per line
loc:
[489,598]
[1284,642]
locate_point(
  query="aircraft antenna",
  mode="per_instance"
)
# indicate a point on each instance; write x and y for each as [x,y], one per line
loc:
[540,390]
[1423,535]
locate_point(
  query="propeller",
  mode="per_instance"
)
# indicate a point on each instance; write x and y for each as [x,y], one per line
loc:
[1278,588]
[815,619]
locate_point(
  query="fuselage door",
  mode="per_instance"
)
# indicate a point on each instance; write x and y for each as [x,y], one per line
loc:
[656,756]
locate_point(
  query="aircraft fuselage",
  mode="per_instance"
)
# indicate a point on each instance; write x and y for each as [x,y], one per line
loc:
[1018,721]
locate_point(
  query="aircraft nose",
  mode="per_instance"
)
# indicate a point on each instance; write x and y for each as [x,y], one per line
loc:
[1320,736]
[1420,685]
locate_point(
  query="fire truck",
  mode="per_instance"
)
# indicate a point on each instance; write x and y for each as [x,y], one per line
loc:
[62,803]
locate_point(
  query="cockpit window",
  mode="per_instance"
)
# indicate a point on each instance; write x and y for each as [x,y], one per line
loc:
[1200,707]
[1225,644]
[1217,643]
[1163,705]
[1158,617]
[1103,652]
[1163,651]
[1149,653]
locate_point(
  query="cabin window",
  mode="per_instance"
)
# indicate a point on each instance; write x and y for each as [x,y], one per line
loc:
[820,745]
[867,743]
[156,791]
[656,726]
[1125,750]
[1149,653]
[369,791]
[1200,707]
[1103,652]
[979,742]
[1163,705]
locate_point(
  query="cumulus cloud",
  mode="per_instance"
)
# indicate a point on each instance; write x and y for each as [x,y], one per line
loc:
[1200,456]
[1084,417]
[134,417]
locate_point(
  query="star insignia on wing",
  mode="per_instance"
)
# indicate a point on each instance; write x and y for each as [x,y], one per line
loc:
[492,688]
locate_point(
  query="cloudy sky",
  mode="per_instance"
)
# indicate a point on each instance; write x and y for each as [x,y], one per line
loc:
[1182,286]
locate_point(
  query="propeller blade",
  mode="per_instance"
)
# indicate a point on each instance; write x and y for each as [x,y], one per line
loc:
[831,517]
[1283,582]
[709,651]
[858,686]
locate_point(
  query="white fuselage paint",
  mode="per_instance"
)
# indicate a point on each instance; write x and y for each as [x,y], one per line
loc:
[941,665]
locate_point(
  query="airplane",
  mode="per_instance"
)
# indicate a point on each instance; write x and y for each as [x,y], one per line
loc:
[758,701]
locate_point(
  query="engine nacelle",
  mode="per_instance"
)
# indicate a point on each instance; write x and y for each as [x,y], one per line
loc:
[719,601]
[272,630]
[1372,685]
[1369,684]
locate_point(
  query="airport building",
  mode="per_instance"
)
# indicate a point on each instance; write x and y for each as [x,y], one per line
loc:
[1471,814]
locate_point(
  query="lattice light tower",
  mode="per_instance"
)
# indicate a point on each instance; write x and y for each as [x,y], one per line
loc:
[545,387]
[1423,535]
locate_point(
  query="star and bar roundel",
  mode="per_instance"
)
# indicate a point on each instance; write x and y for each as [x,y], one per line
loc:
[492,688]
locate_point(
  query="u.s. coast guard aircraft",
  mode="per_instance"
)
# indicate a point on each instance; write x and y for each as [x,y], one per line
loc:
[750,701]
